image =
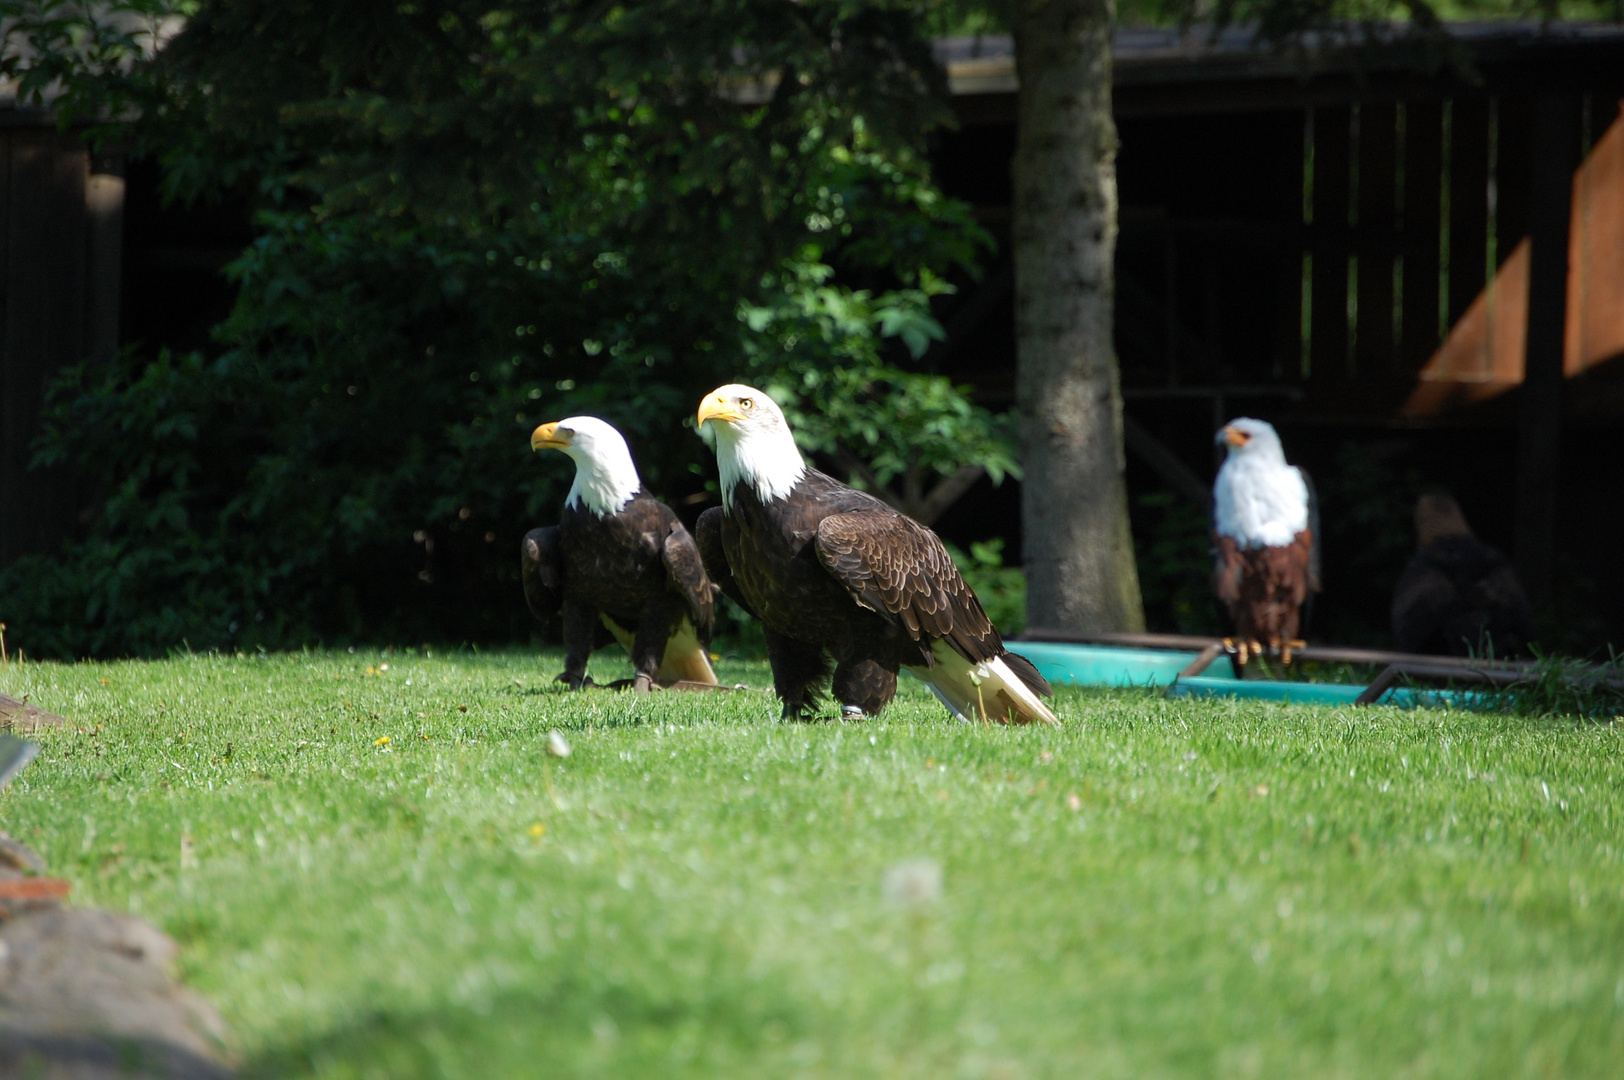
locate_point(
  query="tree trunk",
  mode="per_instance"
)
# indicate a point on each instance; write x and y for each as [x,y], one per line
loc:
[1079,552]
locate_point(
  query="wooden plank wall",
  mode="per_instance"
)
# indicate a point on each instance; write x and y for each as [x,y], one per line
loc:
[1414,206]
[1331,271]
[52,246]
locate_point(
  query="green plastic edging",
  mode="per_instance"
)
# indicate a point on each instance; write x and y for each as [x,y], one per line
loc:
[1066,664]
[1105,665]
[1297,693]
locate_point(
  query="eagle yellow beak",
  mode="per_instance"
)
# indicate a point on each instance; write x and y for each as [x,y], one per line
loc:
[1234,437]
[716,407]
[548,436]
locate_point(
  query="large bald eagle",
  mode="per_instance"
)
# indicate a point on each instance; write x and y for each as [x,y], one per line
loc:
[619,566]
[840,580]
[1458,595]
[1265,532]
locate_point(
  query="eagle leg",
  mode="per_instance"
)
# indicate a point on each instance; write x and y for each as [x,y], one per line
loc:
[580,627]
[799,670]
[654,629]
[865,685]
[1240,652]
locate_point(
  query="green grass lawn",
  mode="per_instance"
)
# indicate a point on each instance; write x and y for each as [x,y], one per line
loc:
[1160,889]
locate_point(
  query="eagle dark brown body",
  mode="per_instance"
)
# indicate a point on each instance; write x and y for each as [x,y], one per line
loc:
[636,571]
[840,580]
[1264,588]
[1458,595]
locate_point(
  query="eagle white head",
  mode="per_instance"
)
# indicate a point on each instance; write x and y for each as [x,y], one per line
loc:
[1258,499]
[605,478]
[753,442]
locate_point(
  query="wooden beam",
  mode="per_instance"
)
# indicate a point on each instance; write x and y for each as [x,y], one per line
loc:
[42,228]
[1539,420]
[104,210]
[1164,463]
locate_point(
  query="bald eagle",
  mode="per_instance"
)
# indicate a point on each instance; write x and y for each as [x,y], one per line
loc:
[1458,595]
[1265,532]
[841,580]
[619,566]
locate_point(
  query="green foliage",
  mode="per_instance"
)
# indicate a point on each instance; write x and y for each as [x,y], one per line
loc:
[815,348]
[1172,547]
[1563,686]
[472,220]
[1237,889]
[1367,512]
[1000,588]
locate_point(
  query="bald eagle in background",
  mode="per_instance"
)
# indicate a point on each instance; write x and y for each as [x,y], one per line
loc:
[1458,595]
[619,566]
[1265,531]
[841,580]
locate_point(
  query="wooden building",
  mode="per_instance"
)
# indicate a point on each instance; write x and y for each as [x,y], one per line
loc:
[1343,240]
[60,269]
[1339,242]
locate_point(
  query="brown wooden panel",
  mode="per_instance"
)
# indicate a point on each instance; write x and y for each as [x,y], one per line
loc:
[1376,238]
[1469,178]
[1516,133]
[1329,243]
[1422,161]
[44,328]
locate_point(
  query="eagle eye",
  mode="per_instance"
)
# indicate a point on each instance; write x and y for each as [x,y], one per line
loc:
[746,404]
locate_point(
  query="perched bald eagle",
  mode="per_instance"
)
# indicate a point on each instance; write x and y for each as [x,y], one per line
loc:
[1265,532]
[1458,595]
[840,580]
[619,566]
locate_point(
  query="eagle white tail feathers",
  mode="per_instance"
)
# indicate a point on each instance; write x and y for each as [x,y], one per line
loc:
[685,659]
[983,692]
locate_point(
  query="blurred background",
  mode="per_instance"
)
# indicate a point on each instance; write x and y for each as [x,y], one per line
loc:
[287,286]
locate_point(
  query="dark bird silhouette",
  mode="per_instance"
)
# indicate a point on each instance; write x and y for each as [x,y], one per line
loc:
[619,566]
[1458,595]
[841,581]
[1265,539]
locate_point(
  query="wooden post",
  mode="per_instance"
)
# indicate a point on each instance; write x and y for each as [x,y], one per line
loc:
[1074,499]
[104,212]
[42,275]
[1539,421]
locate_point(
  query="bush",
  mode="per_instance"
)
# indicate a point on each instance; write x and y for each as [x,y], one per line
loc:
[471,221]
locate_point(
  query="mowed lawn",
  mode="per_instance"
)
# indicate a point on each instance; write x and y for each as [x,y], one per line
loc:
[382,873]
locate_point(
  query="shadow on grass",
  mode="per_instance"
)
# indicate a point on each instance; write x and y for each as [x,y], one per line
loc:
[570,1030]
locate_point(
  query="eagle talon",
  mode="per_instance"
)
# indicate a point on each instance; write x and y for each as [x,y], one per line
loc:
[851,712]
[575,682]
[1242,650]
[642,684]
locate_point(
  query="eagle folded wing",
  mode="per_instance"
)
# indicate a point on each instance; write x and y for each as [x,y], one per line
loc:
[687,569]
[541,569]
[892,565]
[1228,564]
[708,539]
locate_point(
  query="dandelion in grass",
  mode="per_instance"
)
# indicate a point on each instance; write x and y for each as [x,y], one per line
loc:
[913,882]
[381,741]
[537,831]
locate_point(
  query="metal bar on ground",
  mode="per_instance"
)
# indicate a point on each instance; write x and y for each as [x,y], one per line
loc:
[1378,686]
[1203,661]
[1325,654]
